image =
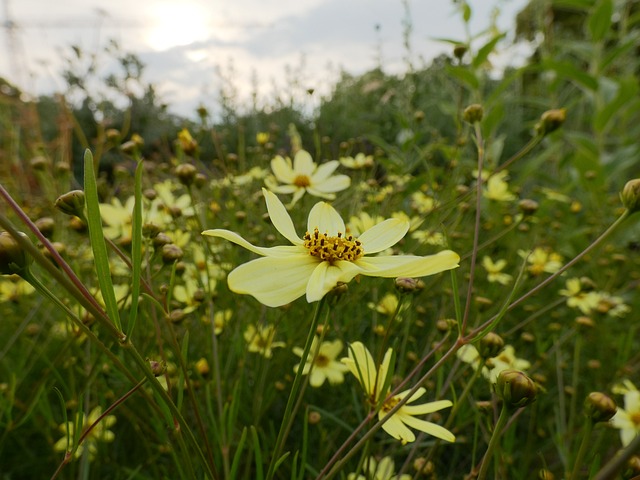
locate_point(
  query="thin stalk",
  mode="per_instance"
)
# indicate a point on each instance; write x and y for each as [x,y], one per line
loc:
[493,443]
[295,388]
[584,445]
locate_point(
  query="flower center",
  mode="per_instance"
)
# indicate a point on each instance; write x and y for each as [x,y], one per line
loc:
[302,181]
[321,360]
[635,418]
[389,404]
[332,249]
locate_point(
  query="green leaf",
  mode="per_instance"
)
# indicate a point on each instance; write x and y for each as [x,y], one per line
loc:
[486,50]
[573,73]
[465,75]
[600,20]
[136,249]
[627,90]
[96,236]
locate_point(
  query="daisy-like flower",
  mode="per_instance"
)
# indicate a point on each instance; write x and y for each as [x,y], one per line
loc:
[324,257]
[379,470]
[322,363]
[496,187]
[494,271]
[541,261]
[260,340]
[304,175]
[358,162]
[586,302]
[506,360]
[375,384]
[99,433]
[627,420]
[387,306]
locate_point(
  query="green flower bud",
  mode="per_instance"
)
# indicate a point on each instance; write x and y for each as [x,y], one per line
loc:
[473,113]
[599,407]
[630,195]
[13,259]
[71,203]
[516,389]
[490,345]
[551,120]
[157,368]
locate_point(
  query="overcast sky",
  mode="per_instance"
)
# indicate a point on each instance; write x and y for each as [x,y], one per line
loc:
[182,43]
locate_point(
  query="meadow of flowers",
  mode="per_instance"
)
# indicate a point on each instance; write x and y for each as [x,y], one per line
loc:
[277,302]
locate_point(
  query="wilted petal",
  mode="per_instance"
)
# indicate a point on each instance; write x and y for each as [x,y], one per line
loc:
[408,265]
[279,251]
[282,169]
[274,281]
[384,235]
[325,218]
[280,217]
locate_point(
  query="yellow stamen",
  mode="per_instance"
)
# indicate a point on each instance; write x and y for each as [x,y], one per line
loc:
[302,181]
[389,404]
[321,360]
[332,249]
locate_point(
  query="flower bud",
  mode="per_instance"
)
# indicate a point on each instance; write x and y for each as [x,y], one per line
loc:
[599,407]
[528,206]
[39,163]
[200,180]
[473,113]
[630,195]
[71,203]
[157,368]
[459,51]
[408,285]
[186,173]
[171,253]
[490,345]
[202,367]
[46,225]
[551,120]
[516,389]
[13,259]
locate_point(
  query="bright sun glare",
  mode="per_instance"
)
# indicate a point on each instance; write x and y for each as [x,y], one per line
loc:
[176,24]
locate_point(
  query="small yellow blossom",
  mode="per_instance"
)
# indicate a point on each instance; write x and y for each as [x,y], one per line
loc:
[262,138]
[324,257]
[303,175]
[429,237]
[422,203]
[627,419]
[260,340]
[541,261]
[506,360]
[362,222]
[496,187]
[358,162]
[374,381]
[612,305]
[379,470]
[387,306]
[99,433]
[586,302]
[322,363]
[494,271]
[13,287]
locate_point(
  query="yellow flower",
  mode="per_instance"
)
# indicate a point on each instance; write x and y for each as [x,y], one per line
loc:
[362,222]
[422,203]
[628,419]
[13,287]
[494,271]
[387,306]
[586,302]
[495,365]
[306,176]
[262,138]
[382,470]
[541,261]
[496,187]
[99,433]
[322,363]
[360,161]
[361,364]
[324,257]
[260,340]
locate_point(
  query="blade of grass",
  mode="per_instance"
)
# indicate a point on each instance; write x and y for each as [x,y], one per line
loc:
[96,236]
[136,250]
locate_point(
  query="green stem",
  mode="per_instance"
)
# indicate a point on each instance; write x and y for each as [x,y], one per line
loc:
[293,395]
[493,443]
[586,434]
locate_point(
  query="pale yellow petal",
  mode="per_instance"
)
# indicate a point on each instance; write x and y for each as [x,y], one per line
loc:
[336,183]
[279,251]
[326,276]
[396,428]
[281,218]
[273,281]
[426,407]
[325,218]
[361,365]
[408,265]
[282,169]
[324,171]
[384,235]
[303,164]
[318,193]
[428,427]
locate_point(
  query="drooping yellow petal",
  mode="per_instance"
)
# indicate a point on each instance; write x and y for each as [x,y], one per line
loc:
[279,251]
[426,407]
[383,235]
[427,427]
[396,428]
[325,218]
[280,217]
[274,281]
[408,265]
[326,276]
